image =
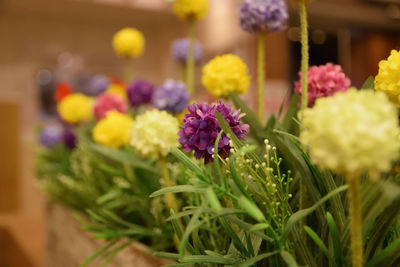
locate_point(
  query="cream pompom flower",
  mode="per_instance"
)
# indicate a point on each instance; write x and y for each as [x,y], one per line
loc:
[154,133]
[114,130]
[191,9]
[129,43]
[388,78]
[224,74]
[352,132]
[75,108]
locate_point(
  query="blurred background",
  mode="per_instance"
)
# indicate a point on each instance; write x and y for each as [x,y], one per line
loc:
[44,42]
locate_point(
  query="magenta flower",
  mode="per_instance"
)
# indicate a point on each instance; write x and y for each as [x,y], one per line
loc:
[201,129]
[108,102]
[323,81]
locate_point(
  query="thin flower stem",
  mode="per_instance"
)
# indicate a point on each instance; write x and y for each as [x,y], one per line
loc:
[354,194]
[190,70]
[128,70]
[260,74]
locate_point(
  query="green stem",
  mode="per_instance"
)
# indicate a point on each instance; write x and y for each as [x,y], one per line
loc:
[304,53]
[190,70]
[260,75]
[128,70]
[354,194]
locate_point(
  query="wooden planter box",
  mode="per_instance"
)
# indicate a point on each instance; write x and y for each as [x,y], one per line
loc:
[69,246]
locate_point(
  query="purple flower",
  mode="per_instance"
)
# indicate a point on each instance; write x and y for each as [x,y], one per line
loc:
[97,85]
[171,96]
[50,136]
[263,15]
[140,92]
[180,50]
[201,129]
[69,138]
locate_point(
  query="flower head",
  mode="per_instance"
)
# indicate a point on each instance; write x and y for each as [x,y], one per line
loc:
[128,42]
[201,129]
[226,73]
[388,79]
[62,90]
[97,85]
[352,132]
[180,50]
[75,108]
[171,96]
[154,133]
[50,136]
[323,81]
[191,9]
[263,15]
[117,89]
[140,92]
[114,130]
[69,138]
[106,103]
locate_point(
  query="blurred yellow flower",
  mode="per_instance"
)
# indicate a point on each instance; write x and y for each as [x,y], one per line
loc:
[75,108]
[114,130]
[129,42]
[154,133]
[388,78]
[117,89]
[226,73]
[191,9]
[352,132]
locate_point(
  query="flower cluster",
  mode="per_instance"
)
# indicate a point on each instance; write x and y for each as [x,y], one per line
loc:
[140,92]
[75,108]
[108,102]
[191,9]
[201,129]
[97,85]
[180,50]
[154,133]
[323,81]
[114,130]
[224,74]
[171,96]
[352,132]
[263,15]
[388,79]
[129,43]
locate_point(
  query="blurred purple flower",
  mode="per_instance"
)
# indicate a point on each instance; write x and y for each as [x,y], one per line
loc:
[50,136]
[171,96]
[263,15]
[140,92]
[201,129]
[97,85]
[69,138]
[180,50]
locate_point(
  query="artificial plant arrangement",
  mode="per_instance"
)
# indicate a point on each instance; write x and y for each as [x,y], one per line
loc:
[316,185]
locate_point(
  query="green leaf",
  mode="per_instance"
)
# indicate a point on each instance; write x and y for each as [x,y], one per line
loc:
[189,163]
[369,83]
[319,243]
[91,258]
[178,189]
[296,217]
[288,124]
[257,258]
[289,259]
[384,254]
[337,244]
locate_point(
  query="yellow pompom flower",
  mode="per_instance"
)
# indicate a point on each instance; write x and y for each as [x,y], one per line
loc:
[388,78]
[129,43]
[75,108]
[114,130]
[154,133]
[117,89]
[352,132]
[191,9]
[226,73]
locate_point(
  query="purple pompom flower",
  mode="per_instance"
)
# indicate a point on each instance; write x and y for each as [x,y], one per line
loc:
[180,50]
[201,129]
[69,138]
[140,92]
[50,136]
[171,96]
[263,15]
[97,85]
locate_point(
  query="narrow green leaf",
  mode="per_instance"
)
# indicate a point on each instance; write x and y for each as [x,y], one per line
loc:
[289,259]
[319,243]
[257,258]
[337,243]
[178,189]
[384,254]
[369,83]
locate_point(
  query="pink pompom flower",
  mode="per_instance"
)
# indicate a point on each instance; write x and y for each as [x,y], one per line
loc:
[108,102]
[323,81]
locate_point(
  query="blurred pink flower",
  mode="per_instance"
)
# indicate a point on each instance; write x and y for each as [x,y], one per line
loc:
[323,81]
[108,102]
